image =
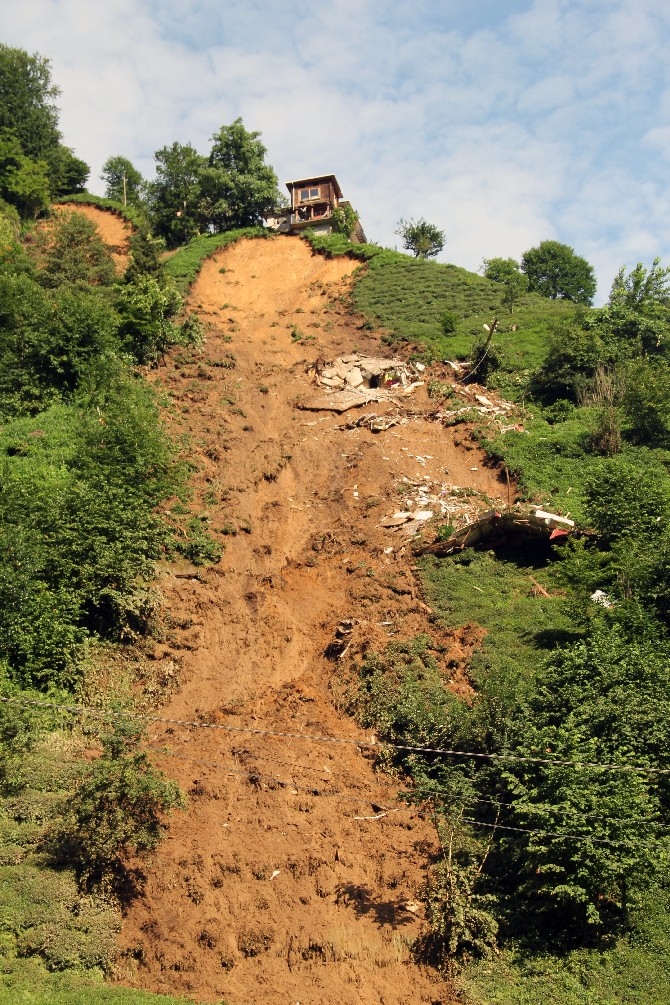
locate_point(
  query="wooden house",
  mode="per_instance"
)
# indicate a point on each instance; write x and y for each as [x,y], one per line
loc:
[312,203]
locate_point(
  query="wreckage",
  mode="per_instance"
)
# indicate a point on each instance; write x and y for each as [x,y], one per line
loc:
[510,527]
[355,380]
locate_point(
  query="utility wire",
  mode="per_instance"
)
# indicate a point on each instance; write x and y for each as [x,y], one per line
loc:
[558,810]
[556,834]
[195,724]
[250,775]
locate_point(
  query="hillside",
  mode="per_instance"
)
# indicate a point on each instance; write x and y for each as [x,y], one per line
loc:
[247,566]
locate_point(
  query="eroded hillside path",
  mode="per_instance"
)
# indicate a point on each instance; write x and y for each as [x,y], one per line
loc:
[281,883]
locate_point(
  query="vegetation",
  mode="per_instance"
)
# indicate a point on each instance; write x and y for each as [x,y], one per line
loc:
[423,239]
[35,166]
[541,858]
[554,270]
[123,182]
[229,189]
[132,214]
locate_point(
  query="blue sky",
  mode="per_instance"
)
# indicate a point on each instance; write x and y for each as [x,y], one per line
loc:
[504,123]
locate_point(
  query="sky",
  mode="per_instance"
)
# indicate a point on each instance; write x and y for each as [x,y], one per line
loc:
[503,122]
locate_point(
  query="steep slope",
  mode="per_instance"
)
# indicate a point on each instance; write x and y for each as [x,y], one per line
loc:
[295,874]
[114,231]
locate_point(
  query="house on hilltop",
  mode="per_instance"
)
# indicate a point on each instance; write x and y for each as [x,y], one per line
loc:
[313,201]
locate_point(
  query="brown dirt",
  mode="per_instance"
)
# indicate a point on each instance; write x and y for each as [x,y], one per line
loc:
[114,231]
[271,888]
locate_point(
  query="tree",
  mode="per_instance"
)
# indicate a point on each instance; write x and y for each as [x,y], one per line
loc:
[555,271]
[118,809]
[123,181]
[498,270]
[27,101]
[423,239]
[74,252]
[68,173]
[238,187]
[24,183]
[643,290]
[28,112]
[507,272]
[175,194]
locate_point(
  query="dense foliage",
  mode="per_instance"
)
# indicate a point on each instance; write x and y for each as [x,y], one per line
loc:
[228,189]
[554,270]
[35,166]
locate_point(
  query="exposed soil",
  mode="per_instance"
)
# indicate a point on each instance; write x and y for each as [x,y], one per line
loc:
[295,874]
[114,230]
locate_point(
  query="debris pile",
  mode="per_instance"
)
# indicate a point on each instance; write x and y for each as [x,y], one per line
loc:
[479,403]
[376,422]
[355,380]
[425,499]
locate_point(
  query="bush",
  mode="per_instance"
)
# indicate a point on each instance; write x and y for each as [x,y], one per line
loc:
[116,811]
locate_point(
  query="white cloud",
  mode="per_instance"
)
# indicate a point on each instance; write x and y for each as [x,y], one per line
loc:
[503,123]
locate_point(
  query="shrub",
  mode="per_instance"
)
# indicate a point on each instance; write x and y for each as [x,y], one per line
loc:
[116,811]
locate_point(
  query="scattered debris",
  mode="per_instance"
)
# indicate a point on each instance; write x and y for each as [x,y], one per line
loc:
[356,380]
[600,597]
[341,641]
[538,589]
[377,423]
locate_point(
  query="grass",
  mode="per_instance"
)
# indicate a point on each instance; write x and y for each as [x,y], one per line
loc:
[186,263]
[634,971]
[409,298]
[552,461]
[130,213]
[54,989]
[496,591]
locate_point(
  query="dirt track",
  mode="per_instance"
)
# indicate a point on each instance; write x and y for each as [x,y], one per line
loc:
[271,888]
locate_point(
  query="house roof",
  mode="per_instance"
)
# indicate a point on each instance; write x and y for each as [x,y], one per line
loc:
[316,179]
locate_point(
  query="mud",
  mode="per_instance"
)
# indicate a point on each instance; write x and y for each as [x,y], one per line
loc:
[296,873]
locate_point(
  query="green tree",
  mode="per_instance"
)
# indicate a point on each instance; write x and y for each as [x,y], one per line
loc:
[174,196]
[74,252]
[507,272]
[29,113]
[643,290]
[498,270]
[68,173]
[24,183]
[423,239]
[555,271]
[114,171]
[118,809]
[147,307]
[28,101]
[238,187]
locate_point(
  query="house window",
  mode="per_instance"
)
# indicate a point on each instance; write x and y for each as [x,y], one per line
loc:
[308,193]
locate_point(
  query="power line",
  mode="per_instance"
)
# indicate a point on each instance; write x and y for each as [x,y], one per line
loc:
[558,810]
[251,775]
[556,834]
[196,724]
